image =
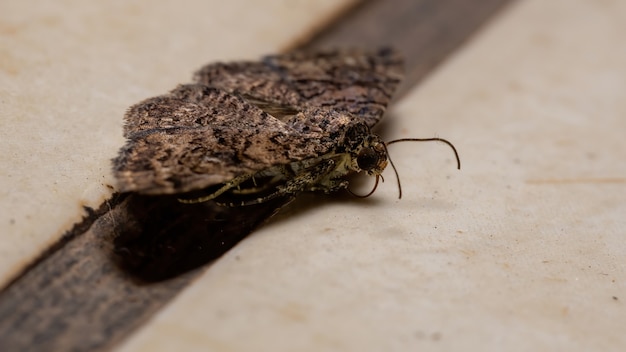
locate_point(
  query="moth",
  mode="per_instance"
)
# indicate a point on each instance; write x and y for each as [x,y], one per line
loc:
[248,132]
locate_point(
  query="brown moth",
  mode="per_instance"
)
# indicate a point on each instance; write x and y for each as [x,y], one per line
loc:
[247,132]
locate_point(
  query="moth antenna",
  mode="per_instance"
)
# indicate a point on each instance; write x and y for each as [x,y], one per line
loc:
[370,193]
[395,171]
[434,139]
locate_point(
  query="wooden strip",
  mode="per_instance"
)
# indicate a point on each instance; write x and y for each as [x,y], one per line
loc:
[76,298]
[425,31]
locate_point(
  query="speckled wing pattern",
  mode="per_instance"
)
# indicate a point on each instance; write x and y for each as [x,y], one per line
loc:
[343,80]
[243,117]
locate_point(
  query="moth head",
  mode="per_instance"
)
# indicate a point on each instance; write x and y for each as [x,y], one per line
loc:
[371,157]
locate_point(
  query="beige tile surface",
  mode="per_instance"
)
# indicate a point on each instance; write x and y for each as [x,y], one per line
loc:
[68,71]
[521,250]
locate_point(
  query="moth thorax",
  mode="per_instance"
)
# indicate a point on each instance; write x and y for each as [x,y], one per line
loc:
[372,156]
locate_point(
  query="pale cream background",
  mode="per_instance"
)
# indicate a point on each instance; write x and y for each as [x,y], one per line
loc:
[523,249]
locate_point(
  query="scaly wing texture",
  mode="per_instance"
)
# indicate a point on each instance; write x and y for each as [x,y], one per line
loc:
[244,117]
[349,81]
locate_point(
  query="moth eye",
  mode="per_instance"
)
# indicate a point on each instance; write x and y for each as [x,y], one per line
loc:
[367,159]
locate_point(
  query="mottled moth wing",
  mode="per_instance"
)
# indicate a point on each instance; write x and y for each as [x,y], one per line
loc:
[198,136]
[194,137]
[352,81]
[244,117]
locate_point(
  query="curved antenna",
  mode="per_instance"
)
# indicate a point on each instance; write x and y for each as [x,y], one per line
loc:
[371,192]
[394,168]
[434,139]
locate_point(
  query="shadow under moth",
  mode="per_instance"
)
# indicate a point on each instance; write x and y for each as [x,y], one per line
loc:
[247,137]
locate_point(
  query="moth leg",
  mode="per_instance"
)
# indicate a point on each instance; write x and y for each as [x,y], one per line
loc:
[302,181]
[329,186]
[278,173]
[228,185]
